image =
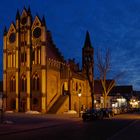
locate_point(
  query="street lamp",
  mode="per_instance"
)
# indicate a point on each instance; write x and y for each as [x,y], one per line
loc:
[79,95]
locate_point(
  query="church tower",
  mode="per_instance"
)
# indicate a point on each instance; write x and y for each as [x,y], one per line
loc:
[87,58]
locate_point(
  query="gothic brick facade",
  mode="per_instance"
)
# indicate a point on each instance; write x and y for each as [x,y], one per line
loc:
[35,74]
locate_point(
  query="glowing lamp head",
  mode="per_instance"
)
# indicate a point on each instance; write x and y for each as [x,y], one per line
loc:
[79,94]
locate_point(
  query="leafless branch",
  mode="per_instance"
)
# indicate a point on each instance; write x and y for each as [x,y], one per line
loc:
[104,66]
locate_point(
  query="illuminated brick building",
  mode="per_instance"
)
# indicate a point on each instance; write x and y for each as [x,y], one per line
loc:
[35,74]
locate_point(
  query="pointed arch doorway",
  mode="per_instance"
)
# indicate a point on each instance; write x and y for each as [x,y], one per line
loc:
[66,92]
[65,88]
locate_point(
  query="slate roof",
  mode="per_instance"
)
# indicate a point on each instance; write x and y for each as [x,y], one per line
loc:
[123,90]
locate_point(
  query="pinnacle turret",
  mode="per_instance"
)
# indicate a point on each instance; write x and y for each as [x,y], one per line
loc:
[5,31]
[29,11]
[43,21]
[17,15]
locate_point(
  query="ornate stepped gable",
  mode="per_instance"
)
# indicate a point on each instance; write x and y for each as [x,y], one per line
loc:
[52,51]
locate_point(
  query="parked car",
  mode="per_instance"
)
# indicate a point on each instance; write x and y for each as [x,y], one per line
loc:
[91,114]
[107,112]
[116,111]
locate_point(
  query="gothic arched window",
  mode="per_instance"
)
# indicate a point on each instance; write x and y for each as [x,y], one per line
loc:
[36,55]
[23,57]
[35,82]
[14,59]
[76,86]
[23,83]
[33,56]
[13,84]
[10,58]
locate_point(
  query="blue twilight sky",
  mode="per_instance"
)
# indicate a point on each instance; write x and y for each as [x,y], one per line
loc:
[113,24]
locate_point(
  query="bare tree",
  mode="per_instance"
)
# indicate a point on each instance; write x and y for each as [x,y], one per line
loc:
[104,67]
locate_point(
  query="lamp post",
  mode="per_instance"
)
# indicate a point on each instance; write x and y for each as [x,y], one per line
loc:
[79,95]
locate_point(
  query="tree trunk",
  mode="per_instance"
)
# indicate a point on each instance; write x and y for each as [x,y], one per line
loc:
[92,98]
[105,98]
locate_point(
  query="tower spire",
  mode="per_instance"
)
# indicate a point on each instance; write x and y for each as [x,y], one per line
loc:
[87,55]
[87,40]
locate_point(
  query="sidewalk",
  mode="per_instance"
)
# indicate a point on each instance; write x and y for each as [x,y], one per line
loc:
[6,129]
[9,126]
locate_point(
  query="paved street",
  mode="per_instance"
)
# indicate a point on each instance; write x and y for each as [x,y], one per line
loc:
[70,127]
